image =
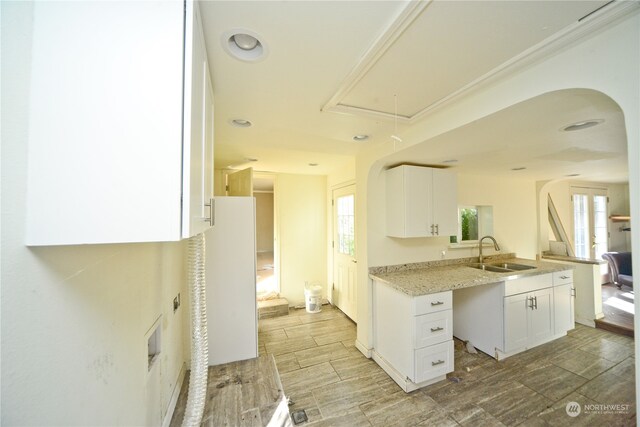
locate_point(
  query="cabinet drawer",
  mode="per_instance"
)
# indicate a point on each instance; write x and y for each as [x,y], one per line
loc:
[562,277]
[527,284]
[432,302]
[433,361]
[433,328]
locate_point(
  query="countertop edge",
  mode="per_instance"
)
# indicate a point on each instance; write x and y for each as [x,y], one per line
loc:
[417,281]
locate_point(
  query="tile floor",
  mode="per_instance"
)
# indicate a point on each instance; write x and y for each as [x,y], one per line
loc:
[324,374]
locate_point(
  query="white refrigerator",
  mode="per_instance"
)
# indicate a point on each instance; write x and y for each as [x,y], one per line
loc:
[230,251]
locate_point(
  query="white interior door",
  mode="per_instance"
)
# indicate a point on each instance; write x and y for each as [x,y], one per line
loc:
[343,292]
[240,183]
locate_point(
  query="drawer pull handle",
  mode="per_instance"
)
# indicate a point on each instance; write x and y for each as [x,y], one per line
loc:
[437,303]
[436,329]
[564,277]
[439,362]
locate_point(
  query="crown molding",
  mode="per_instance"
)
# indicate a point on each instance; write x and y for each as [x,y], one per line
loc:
[405,18]
[602,18]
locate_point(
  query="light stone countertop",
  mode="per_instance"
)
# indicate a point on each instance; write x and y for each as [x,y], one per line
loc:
[574,259]
[422,281]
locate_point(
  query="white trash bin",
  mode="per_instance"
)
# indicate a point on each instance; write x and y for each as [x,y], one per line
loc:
[313,298]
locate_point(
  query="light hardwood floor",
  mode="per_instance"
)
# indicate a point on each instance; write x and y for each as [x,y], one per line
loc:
[323,373]
[618,309]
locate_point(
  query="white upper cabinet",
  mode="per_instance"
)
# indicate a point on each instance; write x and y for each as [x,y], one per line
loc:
[198,146]
[421,202]
[106,115]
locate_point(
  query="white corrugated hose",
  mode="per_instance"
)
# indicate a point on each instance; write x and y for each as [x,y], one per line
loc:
[199,346]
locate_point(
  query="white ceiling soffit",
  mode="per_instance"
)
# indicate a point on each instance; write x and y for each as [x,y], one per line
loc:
[529,135]
[404,64]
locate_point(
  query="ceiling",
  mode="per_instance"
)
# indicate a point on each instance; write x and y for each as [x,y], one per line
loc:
[530,135]
[335,69]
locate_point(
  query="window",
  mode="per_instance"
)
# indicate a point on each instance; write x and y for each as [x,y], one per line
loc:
[346,225]
[469,223]
[473,223]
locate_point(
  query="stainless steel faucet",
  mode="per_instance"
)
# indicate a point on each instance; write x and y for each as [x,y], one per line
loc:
[495,245]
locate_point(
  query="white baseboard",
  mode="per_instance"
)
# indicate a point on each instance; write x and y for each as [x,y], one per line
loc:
[174,397]
[363,349]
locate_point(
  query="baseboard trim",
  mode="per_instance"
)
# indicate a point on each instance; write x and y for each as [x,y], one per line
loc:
[363,349]
[174,397]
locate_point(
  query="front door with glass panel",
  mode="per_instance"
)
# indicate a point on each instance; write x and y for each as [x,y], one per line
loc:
[591,236]
[343,291]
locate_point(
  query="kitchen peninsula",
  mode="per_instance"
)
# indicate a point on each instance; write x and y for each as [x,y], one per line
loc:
[504,306]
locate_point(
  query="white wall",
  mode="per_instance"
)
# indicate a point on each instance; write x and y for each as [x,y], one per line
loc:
[606,60]
[74,318]
[514,223]
[300,203]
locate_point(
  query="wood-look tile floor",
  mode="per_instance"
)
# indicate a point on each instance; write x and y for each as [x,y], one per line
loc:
[323,373]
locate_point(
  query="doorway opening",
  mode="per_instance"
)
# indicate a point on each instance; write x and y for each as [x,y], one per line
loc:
[266,281]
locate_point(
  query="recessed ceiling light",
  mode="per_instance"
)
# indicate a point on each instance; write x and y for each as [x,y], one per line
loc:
[450,161]
[245,41]
[243,44]
[313,164]
[582,125]
[241,123]
[360,138]
[518,168]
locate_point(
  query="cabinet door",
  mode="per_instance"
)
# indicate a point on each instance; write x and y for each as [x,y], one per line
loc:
[208,169]
[418,202]
[515,321]
[563,308]
[197,188]
[445,202]
[541,317]
[105,122]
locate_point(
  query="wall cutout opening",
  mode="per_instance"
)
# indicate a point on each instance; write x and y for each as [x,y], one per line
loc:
[473,223]
[154,344]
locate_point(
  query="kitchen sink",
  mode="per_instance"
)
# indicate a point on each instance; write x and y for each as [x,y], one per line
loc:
[488,267]
[512,266]
[502,267]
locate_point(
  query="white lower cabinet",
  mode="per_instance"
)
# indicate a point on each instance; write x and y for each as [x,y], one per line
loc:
[413,336]
[564,295]
[505,318]
[528,319]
